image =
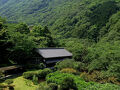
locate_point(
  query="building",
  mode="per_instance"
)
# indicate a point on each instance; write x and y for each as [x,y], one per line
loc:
[49,56]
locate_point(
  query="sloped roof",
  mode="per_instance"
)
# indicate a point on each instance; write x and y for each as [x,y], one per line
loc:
[53,52]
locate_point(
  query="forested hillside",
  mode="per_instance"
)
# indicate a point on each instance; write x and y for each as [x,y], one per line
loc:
[69,18]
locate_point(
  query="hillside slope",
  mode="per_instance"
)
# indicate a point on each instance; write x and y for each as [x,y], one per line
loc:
[31,11]
[67,18]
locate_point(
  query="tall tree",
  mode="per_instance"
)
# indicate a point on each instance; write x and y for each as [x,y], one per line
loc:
[3,43]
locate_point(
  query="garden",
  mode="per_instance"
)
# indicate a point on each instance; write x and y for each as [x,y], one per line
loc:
[66,75]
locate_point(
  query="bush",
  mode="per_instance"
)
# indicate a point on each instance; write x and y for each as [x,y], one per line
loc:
[67,84]
[29,74]
[2,86]
[35,80]
[43,86]
[80,66]
[69,70]
[41,66]
[44,72]
[68,63]
[59,78]
[53,86]
[9,81]
[37,73]
[103,87]
[100,77]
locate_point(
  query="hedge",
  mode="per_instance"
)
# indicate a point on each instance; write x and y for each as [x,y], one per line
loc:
[58,78]
[37,73]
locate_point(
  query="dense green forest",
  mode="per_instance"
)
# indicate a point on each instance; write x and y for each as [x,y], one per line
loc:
[69,18]
[90,29]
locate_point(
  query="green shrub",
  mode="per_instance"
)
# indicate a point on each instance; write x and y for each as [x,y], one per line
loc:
[43,86]
[37,73]
[68,63]
[68,83]
[59,78]
[69,70]
[103,87]
[53,86]
[9,81]
[29,74]
[44,72]
[2,86]
[80,66]
[35,80]
[41,66]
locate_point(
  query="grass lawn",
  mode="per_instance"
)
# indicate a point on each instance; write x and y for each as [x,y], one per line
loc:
[23,84]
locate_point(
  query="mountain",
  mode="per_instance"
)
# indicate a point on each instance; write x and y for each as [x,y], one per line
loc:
[31,11]
[66,18]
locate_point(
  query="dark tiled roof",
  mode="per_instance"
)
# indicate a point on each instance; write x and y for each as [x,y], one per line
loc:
[53,52]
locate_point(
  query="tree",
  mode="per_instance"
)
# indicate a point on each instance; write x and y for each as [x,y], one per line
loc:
[67,84]
[22,28]
[42,36]
[3,42]
[23,45]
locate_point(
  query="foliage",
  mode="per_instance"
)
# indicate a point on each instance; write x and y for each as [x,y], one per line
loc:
[81,66]
[2,86]
[68,63]
[69,70]
[37,73]
[97,76]
[67,84]
[43,35]
[3,42]
[58,78]
[29,74]
[22,28]
[77,47]
[9,81]
[104,56]
[53,86]
[43,86]
[79,18]
[43,73]
[35,79]
[18,40]
[103,87]
[93,29]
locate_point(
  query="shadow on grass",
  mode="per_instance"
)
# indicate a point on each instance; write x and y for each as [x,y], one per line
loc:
[12,76]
